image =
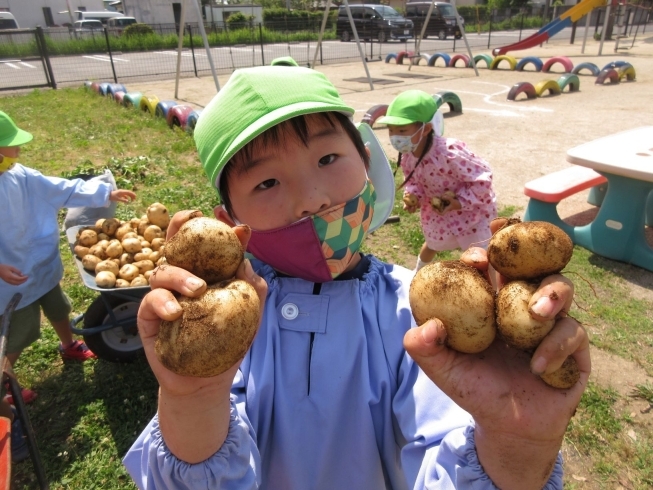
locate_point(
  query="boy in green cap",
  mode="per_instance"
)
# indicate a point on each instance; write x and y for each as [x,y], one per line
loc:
[29,245]
[339,389]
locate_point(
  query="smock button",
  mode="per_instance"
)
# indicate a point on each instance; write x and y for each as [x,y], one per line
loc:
[289,311]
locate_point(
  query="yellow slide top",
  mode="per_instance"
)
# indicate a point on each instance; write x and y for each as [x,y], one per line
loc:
[584,7]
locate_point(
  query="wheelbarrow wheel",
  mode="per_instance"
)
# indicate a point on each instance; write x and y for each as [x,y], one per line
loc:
[115,344]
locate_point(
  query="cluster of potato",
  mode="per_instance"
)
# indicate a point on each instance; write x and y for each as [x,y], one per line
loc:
[462,299]
[123,254]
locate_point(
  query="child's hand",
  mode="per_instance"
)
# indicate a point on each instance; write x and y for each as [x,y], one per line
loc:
[411,202]
[122,195]
[518,417]
[11,275]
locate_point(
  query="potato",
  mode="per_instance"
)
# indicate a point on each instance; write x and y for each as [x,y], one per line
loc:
[515,324]
[144,254]
[157,243]
[122,231]
[142,226]
[110,225]
[461,298]
[103,236]
[89,262]
[213,332]
[114,249]
[529,250]
[147,275]
[98,223]
[126,258]
[107,265]
[130,234]
[154,256]
[131,245]
[80,251]
[98,251]
[139,281]
[145,244]
[152,232]
[565,377]
[87,238]
[121,283]
[144,265]
[158,215]
[128,272]
[207,248]
[105,279]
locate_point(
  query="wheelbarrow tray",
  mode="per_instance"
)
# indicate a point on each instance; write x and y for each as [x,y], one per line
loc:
[89,279]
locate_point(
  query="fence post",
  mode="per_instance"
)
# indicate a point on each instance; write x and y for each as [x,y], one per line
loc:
[489,32]
[521,25]
[113,68]
[260,35]
[192,47]
[598,20]
[44,56]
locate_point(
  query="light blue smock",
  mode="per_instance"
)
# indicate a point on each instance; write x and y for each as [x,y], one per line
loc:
[327,398]
[30,238]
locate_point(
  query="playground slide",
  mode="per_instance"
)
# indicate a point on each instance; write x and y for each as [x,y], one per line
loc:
[552,28]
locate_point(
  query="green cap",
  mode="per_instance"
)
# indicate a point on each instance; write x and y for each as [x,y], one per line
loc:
[284,61]
[409,107]
[253,101]
[10,134]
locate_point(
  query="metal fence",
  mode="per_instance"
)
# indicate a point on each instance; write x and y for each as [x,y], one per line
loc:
[63,56]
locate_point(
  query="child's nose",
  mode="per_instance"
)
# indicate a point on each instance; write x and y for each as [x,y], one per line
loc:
[312,200]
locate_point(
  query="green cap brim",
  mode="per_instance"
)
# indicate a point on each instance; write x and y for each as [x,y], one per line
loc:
[394,120]
[18,138]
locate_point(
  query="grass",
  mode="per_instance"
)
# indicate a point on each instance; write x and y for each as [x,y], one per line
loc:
[87,415]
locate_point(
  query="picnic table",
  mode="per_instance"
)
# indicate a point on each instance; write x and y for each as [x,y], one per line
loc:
[625,159]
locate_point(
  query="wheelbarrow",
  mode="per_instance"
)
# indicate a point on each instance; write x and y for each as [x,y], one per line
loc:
[21,411]
[109,323]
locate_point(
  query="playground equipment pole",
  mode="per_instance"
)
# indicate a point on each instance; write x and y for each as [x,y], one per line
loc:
[206,43]
[419,41]
[358,43]
[587,27]
[605,28]
[180,44]
[620,14]
[462,31]
[319,36]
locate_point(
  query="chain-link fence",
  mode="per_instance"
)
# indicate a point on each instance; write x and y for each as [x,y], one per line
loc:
[65,56]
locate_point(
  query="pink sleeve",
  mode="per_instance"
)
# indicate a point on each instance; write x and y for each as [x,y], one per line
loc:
[474,174]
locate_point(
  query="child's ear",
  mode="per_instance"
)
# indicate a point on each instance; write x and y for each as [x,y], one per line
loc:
[221,213]
[428,127]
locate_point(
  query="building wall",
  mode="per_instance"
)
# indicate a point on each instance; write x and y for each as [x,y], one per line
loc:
[216,14]
[158,11]
[29,13]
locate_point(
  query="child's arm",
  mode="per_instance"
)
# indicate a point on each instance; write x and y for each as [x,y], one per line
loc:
[520,422]
[194,413]
[122,195]
[11,275]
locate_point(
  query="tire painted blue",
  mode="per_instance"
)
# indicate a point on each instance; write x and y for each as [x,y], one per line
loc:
[588,65]
[163,107]
[391,56]
[192,121]
[434,58]
[537,63]
[614,64]
[116,87]
[103,87]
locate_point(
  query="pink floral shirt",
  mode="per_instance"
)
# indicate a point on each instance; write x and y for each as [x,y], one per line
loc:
[451,166]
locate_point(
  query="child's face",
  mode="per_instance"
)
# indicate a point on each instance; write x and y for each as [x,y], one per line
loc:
[284,183]
[406,130]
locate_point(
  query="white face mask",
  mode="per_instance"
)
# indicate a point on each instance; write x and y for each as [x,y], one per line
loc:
[403,144]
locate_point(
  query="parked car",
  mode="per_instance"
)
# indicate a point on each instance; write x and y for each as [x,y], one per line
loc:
[8,21]
[87,25]
[373,21]
[118,24]
[442,22]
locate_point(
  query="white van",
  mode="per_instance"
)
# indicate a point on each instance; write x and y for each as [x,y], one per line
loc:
[8,21]
[103,15]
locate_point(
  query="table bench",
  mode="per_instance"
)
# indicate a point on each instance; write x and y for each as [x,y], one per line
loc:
[547,191]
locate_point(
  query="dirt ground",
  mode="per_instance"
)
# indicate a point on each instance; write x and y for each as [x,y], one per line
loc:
[521,140]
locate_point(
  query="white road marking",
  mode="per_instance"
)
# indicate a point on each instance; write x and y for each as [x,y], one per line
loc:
[26,64]
[13,66]
[501,112]
[96,58]
[107,58]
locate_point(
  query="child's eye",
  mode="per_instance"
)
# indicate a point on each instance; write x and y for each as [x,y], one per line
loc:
[327,159]
[267,184]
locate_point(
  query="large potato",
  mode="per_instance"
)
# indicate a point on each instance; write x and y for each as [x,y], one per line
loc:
[207,248]
[529,250]
[131,245]
[110,225]
[152,232]
[128,272]
[80,251]
[122,231]
[105,279]
[461,298]
[107,265]
[114,249]
[87,238]
[213,332]
[90,261]
[515,324]
[158,215]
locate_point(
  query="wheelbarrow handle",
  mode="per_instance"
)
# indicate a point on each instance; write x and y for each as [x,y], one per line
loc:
[4,330]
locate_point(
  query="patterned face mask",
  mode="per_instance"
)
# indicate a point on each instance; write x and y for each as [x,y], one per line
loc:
[318,248]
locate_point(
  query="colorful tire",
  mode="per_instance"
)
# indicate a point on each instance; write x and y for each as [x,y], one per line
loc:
[455,58]
[115,87]
[163,107]
[547,85]
[95,87]
[614,64]
[588,65]
[434,57]
[148,103]
[522,88]
[450,98]
[391,56]
[192,121]
[132,99]
[118,97]
[482,57]
[570,80]
[563,60]
[423,56]
[373,113]
[510,59]
[103,88]
[88,84]
[627,71]
[537,63]
[403,54]
[607,74]
[178,116]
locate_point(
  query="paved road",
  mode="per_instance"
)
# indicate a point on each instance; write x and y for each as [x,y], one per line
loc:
[72,70]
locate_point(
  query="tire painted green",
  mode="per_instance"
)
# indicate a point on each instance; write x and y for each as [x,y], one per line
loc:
[132,99]
[570,80]
[450,98]
[482,57]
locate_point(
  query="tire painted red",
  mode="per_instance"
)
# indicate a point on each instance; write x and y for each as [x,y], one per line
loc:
[522,88]
[563,60]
